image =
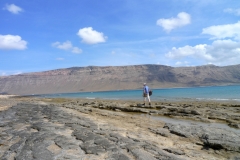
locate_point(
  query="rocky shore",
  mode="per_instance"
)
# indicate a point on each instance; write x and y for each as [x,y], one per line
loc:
[44,128]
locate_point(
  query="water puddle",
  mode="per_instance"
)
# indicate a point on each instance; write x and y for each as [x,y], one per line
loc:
[191,122]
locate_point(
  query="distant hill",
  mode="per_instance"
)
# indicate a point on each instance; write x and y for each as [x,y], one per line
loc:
[95,78]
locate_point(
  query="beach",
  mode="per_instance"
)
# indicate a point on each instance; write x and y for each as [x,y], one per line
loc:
[95,129]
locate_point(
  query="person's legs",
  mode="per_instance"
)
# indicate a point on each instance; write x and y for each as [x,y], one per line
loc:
[144,100]
[149,99]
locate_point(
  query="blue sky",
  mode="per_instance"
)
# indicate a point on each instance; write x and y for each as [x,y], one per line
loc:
[43,35]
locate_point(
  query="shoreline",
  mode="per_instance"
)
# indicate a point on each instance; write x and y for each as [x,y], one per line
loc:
[114,129]
[170,100]
[202,93]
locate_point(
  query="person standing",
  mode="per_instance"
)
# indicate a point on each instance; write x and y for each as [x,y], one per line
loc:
[146,94]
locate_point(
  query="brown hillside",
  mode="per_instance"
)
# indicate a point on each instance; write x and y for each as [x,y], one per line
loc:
[92,78]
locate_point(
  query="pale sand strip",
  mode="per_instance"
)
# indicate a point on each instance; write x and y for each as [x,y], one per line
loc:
[6,96]
[5,107]
[2,108]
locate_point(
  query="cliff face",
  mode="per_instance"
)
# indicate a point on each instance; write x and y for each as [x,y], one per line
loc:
[91,78]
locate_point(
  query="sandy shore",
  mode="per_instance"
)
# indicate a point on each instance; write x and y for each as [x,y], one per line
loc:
[6,96]
[44,128]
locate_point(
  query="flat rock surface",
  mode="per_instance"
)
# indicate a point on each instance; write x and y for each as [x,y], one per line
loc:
[41,128]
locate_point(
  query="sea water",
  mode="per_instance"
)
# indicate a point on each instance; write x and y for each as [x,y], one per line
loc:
[223,93]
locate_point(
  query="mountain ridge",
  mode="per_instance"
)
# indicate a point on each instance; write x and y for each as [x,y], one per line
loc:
[103,78]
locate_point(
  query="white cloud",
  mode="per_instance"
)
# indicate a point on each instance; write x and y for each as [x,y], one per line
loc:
[221,52]
[233,11]
[6,73]
[224,31]
[16,73]
[67,46]
[224,50]
[172,23]
[12,42]
[60,59]
[76,50]
[198,50]
[3,73]
[13,8]
[179,63]
[91,36]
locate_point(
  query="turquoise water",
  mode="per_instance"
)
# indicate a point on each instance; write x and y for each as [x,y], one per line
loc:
[195,93]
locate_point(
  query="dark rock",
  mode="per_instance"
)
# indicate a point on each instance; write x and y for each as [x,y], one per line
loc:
[161,131]
[174,151]
[92,149]
[211,137]
[142,155]
[221,139]
[161,154]
[184,131]
[118,156]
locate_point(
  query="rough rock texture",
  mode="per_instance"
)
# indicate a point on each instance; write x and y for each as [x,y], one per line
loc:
[38,128]
[32,131]
[211,137]
[92,78]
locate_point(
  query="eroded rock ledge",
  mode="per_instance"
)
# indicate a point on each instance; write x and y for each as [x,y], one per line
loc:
[96,129]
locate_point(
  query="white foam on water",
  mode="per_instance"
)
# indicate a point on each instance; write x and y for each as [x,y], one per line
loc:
[90,98]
